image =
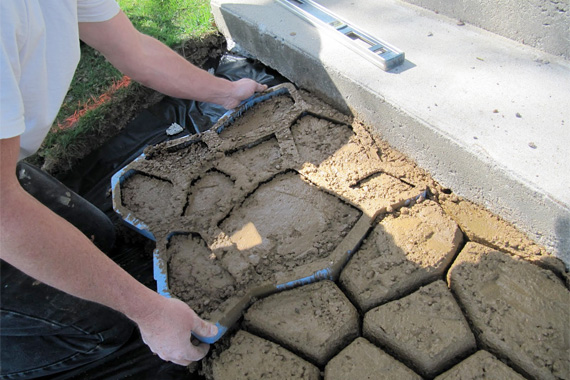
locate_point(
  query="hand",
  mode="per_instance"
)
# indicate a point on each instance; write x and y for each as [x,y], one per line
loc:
[167,331]
[242,89]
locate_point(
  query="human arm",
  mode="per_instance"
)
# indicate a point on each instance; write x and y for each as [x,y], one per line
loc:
[48,248]
[155,65]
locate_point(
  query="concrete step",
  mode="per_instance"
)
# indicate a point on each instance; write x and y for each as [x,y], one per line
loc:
[486,116]
[538,23]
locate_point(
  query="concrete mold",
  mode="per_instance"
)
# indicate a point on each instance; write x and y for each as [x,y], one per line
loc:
[267,200]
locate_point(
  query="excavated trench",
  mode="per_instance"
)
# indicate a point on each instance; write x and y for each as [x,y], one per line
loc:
[431,291]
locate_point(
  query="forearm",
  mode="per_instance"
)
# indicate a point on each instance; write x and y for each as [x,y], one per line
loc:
[48,248]
[155,65]
[167,72]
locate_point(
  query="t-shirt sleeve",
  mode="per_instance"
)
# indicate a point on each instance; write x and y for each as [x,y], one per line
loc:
[11,103]
[96,10]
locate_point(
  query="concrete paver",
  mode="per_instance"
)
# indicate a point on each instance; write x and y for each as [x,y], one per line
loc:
[253,358]
[426,329]
[192,268]
[316,320]
[481,365]
[402,253]
[363,360]
[519,310]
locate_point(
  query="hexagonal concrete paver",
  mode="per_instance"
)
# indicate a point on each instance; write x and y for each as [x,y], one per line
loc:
[425,329]
[252,358]
[362,360]
[315,320]
[519,310]
[402,253]
[481,365]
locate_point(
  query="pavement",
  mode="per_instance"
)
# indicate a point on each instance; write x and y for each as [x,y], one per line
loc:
[486,116]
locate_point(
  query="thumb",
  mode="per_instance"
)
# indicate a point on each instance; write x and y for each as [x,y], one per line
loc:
[203,328]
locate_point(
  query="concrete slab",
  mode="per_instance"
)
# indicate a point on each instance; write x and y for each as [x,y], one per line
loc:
[538,23]
[486,116]
[519,311]
[363,360]
[426,329]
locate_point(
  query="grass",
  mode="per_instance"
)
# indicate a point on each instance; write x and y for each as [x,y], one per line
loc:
[96,80]
[170,21]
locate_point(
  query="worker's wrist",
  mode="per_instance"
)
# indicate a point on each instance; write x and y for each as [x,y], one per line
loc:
[140,308]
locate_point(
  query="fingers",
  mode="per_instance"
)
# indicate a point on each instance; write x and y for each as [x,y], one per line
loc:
[168,332]
[261,87]
[203,328]
[195,354]
[191,353]
[198,352]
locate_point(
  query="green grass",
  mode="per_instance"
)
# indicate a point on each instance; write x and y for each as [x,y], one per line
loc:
[170,21]
[94,75]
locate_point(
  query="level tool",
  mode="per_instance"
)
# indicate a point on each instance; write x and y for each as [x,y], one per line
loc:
[376,51]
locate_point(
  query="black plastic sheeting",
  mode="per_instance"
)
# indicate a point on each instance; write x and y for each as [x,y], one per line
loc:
[91,178]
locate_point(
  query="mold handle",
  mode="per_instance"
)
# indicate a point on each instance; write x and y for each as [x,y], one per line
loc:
[212,339]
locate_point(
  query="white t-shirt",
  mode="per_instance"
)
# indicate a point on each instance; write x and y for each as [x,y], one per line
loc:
[40,52]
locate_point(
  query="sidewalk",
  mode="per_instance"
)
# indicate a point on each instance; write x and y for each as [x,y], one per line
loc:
[486,116]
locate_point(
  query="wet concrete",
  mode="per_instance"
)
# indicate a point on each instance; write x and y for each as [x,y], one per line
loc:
[431,285]
[316,320]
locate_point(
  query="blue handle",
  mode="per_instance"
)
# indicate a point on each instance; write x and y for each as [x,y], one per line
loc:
[212,339]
